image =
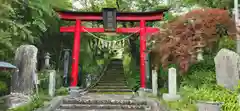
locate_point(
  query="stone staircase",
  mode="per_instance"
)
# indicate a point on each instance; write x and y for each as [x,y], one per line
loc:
[99,102]
[113,80]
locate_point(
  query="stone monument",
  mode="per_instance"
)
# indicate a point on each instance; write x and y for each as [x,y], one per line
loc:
[172,86]
[23,80]
[26,61]
[227,68]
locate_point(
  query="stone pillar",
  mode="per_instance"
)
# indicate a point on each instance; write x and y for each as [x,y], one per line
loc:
[52,82]
[238,36]
[172,86]
[47,58]
[237,21]
[66,65]
[154,82]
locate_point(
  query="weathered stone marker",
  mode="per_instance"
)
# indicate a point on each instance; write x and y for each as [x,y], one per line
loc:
[26,61]
[22,83]
[66,65]
[227,68]
[209,106]
[154,82]
[52,82]
[172,86]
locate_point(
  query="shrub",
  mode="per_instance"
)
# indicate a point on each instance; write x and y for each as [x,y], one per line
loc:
[199,78]
[3,88]
[62,91]
[206,65]
[183,37]
[130,71]
[215,93]
[226,42]
[5,80]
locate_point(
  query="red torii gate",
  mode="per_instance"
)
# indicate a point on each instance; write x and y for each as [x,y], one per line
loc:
[78,17]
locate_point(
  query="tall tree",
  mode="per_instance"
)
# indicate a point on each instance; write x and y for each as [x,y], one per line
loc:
[25,21]
[224,4]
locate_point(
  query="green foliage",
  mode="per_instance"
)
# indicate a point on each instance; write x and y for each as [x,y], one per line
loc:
[130,71]
[62,91]
[227,42]
[24,22]
[169,16]
[3,88]
[5,80]
[200,85]
[206,65]
[44,80]
[191,95]
[36,102]
[199,78]
[228,4]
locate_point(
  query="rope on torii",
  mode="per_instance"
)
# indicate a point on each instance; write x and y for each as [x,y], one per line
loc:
[114,44]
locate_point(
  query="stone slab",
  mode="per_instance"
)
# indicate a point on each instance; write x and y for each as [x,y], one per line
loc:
[227,65]
[171,97]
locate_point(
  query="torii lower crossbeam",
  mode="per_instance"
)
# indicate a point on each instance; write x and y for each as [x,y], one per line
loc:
[101,30]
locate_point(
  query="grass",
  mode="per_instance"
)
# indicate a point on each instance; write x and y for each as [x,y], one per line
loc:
[36,102]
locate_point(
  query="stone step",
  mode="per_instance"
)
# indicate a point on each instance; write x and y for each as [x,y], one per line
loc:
[115,71]
[110,84]
[114,67]
[111,81]
[113,78]
[115,75]
[99,110]
[118,68]
[110,90]
[100,106]
[111,87]
[94,101]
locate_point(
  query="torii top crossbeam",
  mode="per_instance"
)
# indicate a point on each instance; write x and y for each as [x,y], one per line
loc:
[121,16]
[78,17]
